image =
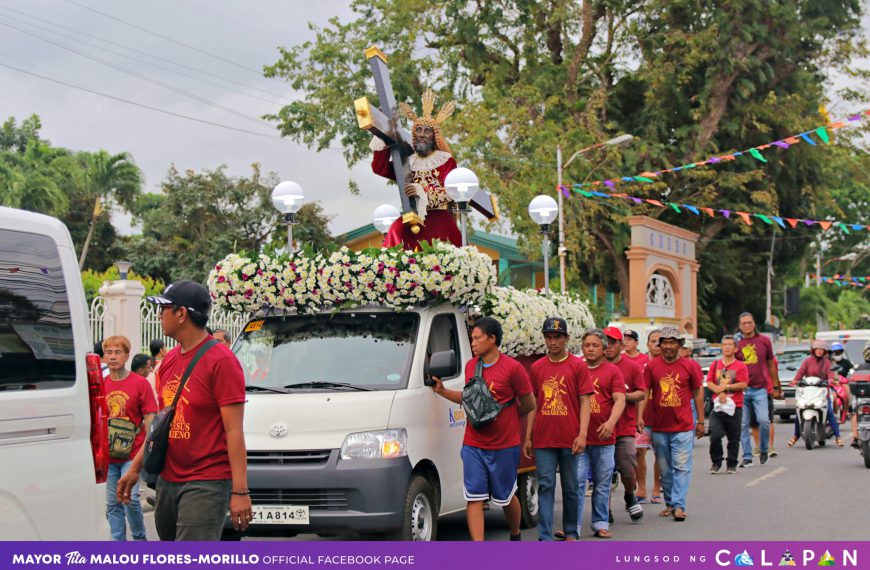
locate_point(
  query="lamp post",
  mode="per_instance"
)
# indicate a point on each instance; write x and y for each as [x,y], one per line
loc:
[123,269]
[384,216]
[287,197]
[461,185]
[620,140]
[543,210]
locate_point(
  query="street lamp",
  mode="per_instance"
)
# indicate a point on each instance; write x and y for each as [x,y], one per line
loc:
[287,197]
[620,140]
[384,216]
[543,210]
[461,185]
[123,268]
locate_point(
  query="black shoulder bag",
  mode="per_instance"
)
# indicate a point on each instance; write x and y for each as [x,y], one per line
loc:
[480,406]
[157,442]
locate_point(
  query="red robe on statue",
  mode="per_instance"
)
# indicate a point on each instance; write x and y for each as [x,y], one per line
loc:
[429,172]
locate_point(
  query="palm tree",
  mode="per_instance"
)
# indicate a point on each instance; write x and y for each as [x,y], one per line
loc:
[31,180]
[110,176]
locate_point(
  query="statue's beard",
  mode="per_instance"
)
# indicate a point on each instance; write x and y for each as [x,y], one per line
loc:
[424,147]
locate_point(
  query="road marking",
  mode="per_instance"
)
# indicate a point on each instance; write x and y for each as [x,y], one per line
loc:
[771,475]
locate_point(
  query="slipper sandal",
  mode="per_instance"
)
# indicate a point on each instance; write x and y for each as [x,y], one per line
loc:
[667,512]
[657,499]
[642,500]
[839,442]
[679,515]
[560,535]
[602,533]
[794,439]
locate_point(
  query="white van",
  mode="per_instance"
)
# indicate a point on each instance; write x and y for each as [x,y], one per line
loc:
[343,434]
[53,444]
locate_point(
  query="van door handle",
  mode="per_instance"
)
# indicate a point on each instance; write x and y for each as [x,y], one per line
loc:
[27,430]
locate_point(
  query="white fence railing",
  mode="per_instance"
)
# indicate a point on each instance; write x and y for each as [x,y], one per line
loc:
[151,327]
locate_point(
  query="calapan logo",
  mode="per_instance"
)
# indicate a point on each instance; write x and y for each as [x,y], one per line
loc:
[278,430]
[803,558]
[743,559]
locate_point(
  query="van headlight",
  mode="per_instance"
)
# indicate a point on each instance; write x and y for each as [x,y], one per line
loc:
[383,444]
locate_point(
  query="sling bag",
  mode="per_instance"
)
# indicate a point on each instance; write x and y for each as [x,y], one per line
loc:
[481,408]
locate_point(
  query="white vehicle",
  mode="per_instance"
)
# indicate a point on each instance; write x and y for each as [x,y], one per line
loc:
[53,440]
[853,341]
[344,435]
[811,404]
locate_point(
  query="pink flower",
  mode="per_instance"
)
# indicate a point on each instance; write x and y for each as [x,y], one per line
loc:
[244,276]
[437,269]
[259,272]
[273,279]
[221,279]
[249,293]
[371,285]
[218,267]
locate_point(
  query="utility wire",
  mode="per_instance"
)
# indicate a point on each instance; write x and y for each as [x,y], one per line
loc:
[167,38]
[137,74]
[145,53]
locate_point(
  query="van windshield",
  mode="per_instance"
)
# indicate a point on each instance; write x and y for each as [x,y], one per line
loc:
[341,352]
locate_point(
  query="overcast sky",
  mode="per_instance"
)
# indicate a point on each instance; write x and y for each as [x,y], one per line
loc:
[245,33]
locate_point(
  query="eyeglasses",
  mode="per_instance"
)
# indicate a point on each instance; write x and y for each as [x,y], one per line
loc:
[161,308]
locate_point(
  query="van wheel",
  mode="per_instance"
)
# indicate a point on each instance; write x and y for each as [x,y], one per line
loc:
[528,496]
[419,518]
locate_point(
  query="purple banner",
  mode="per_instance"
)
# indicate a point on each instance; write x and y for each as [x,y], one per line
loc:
[441,556]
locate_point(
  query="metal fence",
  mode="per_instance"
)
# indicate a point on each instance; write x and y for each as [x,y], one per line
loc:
[150,321]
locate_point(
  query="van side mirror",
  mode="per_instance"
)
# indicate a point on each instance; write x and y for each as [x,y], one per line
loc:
[441,364]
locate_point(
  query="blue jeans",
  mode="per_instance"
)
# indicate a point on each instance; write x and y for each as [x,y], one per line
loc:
[755,398]
[546,460]
[674,457]
[117,512]
[601,459]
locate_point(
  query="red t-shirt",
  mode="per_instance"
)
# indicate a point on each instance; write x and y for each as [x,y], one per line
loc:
[558,387]
[507,380]
[735,372]
[756,352]
[673,386]
[640,360]
[631,374]
[130,399]
[197,441]
[606,381]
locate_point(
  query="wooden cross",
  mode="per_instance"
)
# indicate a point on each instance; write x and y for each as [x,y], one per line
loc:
[384,124]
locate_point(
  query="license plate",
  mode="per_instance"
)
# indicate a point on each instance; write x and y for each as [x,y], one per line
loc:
[789,402]
[280,514]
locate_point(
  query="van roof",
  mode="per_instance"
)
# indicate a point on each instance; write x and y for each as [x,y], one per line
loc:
[855,334]
[31,222]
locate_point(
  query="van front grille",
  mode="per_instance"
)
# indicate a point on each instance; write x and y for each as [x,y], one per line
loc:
[321,499]
[308,457]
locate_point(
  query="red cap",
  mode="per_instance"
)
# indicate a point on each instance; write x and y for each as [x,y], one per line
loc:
[613,332]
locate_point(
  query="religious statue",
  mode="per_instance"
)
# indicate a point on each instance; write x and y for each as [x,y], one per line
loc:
[429,165]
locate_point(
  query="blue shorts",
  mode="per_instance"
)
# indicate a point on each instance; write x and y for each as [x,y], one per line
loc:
[490,474]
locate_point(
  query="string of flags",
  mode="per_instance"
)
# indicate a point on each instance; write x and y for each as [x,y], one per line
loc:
[843,280]
[809,137]
[746,217]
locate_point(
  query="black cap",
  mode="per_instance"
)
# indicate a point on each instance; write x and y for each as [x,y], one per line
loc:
[631,333]
[185,293]
[556,325]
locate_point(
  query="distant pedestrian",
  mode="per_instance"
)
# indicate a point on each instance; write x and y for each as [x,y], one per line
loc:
[223,336]
[491,455]
[98,350]
[627,427]
[630,340]
[643,440]
[675,383]
[205,478]
[158,351]
[557,429]
[131,406]
[607,403]
[141,365]
[727,379]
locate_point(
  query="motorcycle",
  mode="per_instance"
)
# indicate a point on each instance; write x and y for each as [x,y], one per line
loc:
[840,398]
[861,399]
[811,403]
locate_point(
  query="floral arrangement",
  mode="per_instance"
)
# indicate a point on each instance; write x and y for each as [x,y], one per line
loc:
[394,278]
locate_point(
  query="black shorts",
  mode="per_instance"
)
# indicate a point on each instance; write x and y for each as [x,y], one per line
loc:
[752,421]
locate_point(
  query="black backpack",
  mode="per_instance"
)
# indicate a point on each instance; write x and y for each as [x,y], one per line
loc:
[480,406]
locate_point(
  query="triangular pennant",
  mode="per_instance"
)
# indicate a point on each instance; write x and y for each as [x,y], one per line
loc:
[643,179]
[825,225]
[757,155]
[564,191]
[648,174]
[792,140]
[709,212]
[857,227]
[781,144]
[610,184]
[674,206]
[843,227]
[779,221]
[823,134]
[837,125]
[745,217]
[792,222]
[636,200]
[692,209]
[764,219]
[726,213]
[807,138]
[809,222]
[584,193]
[620,195]
[655,203]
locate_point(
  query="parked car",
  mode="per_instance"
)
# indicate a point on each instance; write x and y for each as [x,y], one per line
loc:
[53,435]
[788,362]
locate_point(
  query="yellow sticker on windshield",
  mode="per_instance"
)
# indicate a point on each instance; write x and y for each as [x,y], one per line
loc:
[254,326]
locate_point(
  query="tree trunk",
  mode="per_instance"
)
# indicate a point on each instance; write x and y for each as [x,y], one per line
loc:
[619,260]
[90,235]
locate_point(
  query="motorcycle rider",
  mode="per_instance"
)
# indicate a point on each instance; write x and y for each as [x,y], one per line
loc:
[842,367]
[818,365]
[862,373]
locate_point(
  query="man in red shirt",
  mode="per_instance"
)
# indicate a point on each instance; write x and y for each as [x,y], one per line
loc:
[557,430]
[491,455]
[607,405]
[675,383]
[131,405]
[756,351]
[643,439]
[727,379]
[206,463]
[630,341]
[627,427]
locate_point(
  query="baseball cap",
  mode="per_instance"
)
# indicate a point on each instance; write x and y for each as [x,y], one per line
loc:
[631,334]
[670,332]
[614,333]
[556,325]
[184,293]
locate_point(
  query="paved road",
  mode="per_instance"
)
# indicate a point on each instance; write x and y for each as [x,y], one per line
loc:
[808,495]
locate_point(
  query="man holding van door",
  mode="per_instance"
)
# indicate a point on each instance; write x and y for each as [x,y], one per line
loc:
[206,463]
[491,455]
